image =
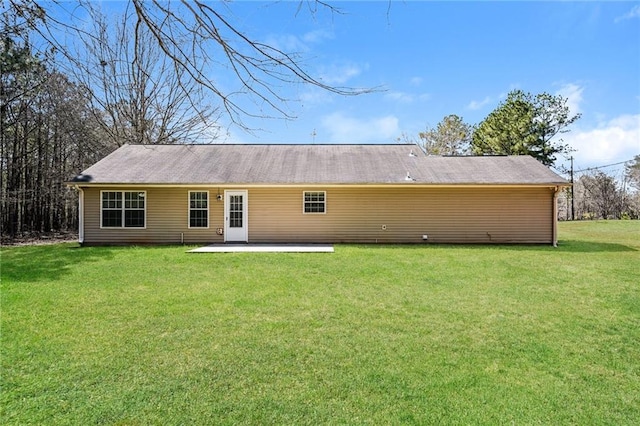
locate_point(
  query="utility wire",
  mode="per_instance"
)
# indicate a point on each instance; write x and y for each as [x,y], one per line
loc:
[601,167]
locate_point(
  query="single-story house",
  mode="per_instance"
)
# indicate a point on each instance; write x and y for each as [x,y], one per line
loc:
[152,194]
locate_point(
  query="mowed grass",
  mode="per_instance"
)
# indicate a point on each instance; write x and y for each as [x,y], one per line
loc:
[367,335]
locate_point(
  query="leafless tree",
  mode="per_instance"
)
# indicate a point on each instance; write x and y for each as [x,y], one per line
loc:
[194,37]
[632,172]
[452,136]
[599,196]
[46,136]
[137,96]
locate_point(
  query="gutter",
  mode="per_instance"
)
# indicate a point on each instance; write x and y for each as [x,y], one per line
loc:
[404,184]
[554,219]
[80,213]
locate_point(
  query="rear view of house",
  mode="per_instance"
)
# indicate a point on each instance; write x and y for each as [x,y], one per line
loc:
[158,194]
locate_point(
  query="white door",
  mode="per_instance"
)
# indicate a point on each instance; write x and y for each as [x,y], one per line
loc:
[235,216]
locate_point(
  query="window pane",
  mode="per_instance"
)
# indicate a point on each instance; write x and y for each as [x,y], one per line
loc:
[111,200]
[111,218]
[134,200]
[198,219]
[235,211]
[235,219]
[199,200]
[314,208]
[134,218]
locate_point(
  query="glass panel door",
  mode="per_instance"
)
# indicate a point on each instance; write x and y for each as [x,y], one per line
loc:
[235,212]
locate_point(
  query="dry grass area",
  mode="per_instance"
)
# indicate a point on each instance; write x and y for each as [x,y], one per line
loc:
[40,238]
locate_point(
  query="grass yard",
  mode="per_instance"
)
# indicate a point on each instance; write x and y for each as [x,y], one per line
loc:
[367,335]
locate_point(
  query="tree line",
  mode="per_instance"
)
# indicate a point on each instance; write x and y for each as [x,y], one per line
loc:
[597,194]
[46,137]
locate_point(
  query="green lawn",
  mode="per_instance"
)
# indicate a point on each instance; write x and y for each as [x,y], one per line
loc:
[367,335]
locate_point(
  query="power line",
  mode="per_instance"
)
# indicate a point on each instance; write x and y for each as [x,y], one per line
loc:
[602,167]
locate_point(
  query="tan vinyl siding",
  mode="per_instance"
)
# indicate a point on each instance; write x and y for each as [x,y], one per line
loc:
[353,214]
[167,219]
[457,215]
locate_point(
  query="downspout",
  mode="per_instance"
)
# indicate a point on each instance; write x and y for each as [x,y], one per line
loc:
[80,214]
[554,219]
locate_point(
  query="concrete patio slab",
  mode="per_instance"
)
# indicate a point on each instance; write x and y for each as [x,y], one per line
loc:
[264,248]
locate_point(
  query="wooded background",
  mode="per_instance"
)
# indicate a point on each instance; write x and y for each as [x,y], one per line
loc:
[47,136]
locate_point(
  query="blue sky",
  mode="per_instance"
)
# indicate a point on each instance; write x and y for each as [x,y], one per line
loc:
[438,58]
[431,59]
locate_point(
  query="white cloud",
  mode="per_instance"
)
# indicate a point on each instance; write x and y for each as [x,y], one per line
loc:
[315,96]
[416,81]
[295,44]
[475,105]
[339,74]
[399,97]
[317,36]
[573,93]
[344,129]
[612,141]
[633,13]
[287,43]
[407,98]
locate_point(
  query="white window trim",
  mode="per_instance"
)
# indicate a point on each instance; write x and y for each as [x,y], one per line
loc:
[314,213]
[123,210]
[189,211]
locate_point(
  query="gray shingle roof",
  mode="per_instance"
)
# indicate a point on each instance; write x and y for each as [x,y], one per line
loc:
[308,164]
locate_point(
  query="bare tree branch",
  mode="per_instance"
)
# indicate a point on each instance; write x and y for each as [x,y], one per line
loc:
[197,39]
[141,90]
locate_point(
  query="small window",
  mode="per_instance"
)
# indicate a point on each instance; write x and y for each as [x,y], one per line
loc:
[123,209]
[198,209]
[315,201]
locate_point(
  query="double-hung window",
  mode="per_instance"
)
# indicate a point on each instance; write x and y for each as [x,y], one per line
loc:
[123,209]
[198,209]
[315,201]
